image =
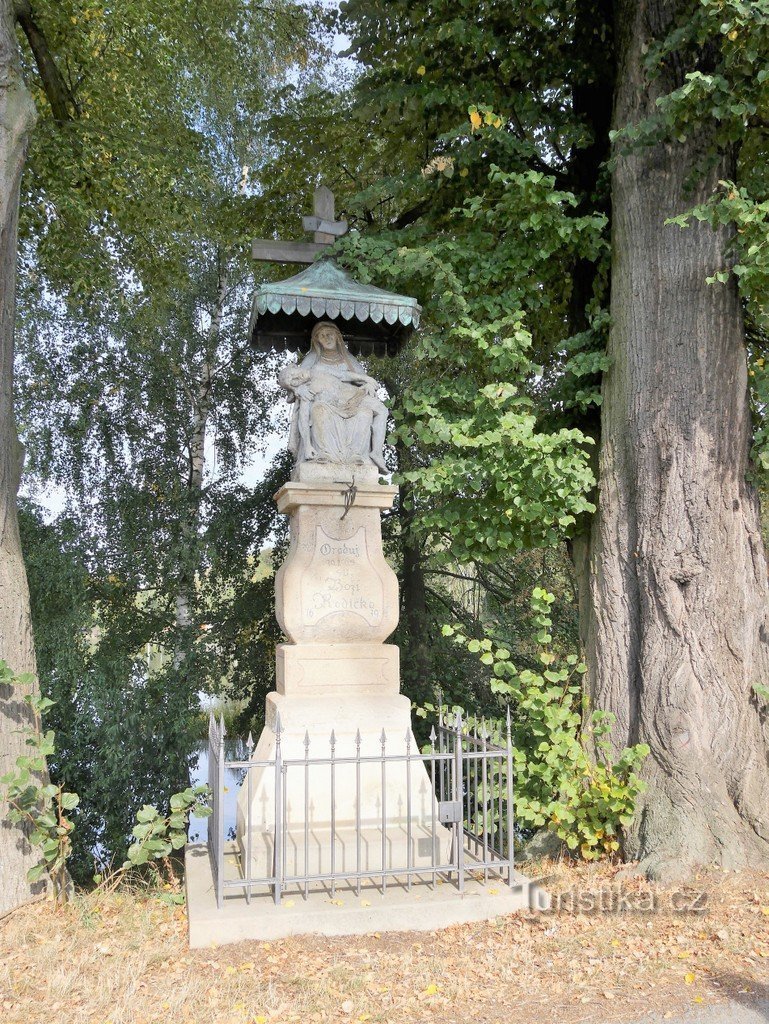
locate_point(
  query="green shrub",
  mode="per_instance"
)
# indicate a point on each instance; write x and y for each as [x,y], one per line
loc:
[43,807]
[37,803]
[567,778]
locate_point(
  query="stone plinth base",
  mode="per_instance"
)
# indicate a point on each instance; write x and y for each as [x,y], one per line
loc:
[337,669]
[423,908]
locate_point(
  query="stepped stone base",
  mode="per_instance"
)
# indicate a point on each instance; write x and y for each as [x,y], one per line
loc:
[342,912]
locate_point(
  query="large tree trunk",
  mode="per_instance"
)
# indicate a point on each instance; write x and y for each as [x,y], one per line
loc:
[676,626]
[17,117]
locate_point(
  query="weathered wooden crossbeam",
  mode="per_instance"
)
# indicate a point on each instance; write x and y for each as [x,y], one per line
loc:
[325,230]
[265,250]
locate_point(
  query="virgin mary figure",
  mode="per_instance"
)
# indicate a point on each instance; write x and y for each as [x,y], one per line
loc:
[337,416]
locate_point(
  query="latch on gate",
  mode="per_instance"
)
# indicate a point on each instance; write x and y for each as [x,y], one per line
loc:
[449,811]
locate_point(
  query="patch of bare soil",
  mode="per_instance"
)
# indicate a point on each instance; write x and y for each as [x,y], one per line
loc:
[610,951]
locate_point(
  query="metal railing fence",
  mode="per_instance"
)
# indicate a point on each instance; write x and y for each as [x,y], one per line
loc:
[466,831]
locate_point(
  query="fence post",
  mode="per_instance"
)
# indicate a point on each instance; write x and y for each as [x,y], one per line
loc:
[306,811]
[277,852]
[510,805]
[409,860]
[434,798]
[383,741]
[458,798]
[357,812]
[213,790]
[332,763]
[249,839]
[219,814]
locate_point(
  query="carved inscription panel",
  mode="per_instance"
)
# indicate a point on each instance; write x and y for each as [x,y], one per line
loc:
[341,578]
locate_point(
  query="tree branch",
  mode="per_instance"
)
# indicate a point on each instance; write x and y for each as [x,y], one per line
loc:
[409,216]
[56,89]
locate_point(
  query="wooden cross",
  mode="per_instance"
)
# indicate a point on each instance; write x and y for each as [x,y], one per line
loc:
[325,232]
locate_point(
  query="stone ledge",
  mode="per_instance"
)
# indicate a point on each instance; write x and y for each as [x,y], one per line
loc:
[293,494]
[397,910]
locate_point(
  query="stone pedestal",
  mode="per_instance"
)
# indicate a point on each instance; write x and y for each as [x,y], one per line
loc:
[337,601]
[335,585]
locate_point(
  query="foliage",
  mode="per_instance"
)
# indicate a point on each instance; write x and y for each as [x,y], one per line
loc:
[38,804]
[126,725]
[725,41]
[160,100]
[498,154]
[44,806]
[137,397]
[111,715]
[566,776]
[156,836]
[491,479]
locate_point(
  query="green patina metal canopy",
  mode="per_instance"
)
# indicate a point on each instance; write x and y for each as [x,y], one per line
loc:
[372,321]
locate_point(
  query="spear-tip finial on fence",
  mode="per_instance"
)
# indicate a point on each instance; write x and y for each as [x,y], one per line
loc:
[509,726]
[383,739]
[278,727]
[306,742]
[250,745]
[332,741]
[357,740]
[222,729]
[433,737]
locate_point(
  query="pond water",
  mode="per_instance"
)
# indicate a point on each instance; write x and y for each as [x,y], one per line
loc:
[234,749]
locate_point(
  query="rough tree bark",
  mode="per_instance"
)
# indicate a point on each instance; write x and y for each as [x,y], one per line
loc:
[17,118]
[676,623]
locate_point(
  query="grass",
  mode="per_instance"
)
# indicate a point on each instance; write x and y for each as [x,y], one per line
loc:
[124,959]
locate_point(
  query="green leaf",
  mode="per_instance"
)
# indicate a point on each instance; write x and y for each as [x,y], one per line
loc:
[36,873]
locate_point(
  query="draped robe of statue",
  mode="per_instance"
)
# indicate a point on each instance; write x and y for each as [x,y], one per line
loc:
[337,417]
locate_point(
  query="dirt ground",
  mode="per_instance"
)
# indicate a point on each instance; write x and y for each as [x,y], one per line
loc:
[610,951]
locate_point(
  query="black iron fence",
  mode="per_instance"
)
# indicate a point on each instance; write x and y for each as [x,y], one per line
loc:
[303,839]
